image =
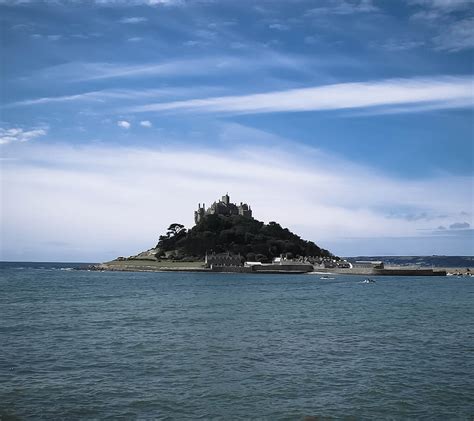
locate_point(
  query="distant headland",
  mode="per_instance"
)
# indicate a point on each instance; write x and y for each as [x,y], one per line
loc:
[227,238]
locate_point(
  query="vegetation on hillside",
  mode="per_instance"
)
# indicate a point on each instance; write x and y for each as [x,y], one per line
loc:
[248,237]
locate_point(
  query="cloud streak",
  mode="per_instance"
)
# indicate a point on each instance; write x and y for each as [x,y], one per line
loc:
[456,37]
[342,7]
[116,94]
[91,71]
[254,61]
[111,3]
[452,21]
[441,92]
[133,20]
[19,135]
[446,5]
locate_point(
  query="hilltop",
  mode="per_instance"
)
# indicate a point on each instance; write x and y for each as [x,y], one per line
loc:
[235,234]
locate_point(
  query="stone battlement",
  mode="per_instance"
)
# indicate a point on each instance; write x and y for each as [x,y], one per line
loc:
[222,207]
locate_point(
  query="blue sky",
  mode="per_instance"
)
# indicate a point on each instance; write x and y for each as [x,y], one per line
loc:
[350,122]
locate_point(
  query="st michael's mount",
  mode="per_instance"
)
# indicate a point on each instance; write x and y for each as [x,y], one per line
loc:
[227,238]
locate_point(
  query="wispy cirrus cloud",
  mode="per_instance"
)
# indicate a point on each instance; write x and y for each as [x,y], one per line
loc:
[441,92]
[91,71]
[446,5]
[342,7]
[20,135]
[130,95]
[140,2]
[457,36]
[261,59]
[451,20]
[279,26]
[133,19]
[85,96]
[398,44]
[125,3]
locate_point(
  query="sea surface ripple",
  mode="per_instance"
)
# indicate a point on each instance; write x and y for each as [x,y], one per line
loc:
[111,345]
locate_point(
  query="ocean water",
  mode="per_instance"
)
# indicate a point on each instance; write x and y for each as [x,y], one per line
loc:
[111,345]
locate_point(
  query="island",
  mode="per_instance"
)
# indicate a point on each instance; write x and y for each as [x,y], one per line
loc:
[227,238]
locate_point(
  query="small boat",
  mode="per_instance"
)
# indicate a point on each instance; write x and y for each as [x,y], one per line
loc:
[368,281]
[326,277]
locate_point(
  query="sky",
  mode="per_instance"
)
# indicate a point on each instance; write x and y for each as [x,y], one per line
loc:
[348,121]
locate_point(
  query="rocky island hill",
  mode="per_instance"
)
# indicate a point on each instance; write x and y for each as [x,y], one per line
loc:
[224,230]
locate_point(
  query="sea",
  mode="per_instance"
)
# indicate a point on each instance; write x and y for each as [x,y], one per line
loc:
[87,345]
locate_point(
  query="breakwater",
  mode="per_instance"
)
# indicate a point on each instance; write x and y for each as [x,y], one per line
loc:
[390,271]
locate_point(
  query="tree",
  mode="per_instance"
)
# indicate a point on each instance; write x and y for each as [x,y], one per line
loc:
[175,229]
[237,235]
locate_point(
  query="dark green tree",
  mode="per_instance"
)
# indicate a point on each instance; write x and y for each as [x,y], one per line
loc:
[236,234]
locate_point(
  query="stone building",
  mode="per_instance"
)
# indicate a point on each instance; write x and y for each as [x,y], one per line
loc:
[222,207]
[223,260]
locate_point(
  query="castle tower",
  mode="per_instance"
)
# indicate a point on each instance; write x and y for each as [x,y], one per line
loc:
[199,214]
[226,199]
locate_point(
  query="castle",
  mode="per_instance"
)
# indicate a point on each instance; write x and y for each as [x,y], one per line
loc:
[222,207]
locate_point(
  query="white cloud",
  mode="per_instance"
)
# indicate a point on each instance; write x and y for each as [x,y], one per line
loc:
[456,36]
[400,44]
[279,26]
[451,21]
[441,92]
[133,20]
[123,124]
[135,39]
[122,3]
[20,135]
[446,5]
[195,43]
[111,2]
[164,2]
[138,192]
[146,123]
[342,7]
[118,94]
